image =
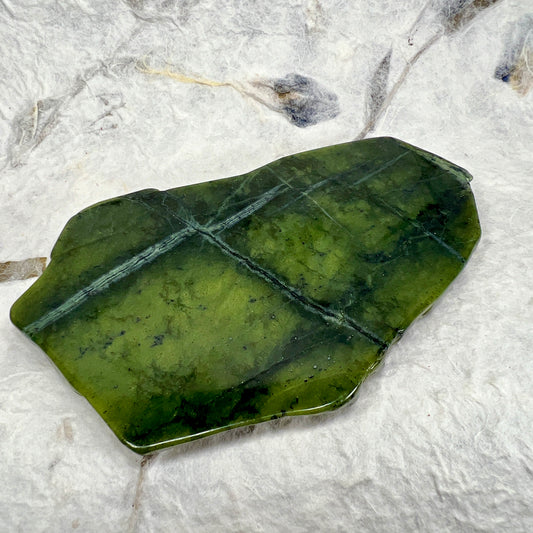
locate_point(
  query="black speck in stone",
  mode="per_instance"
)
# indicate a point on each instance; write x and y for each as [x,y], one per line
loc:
[158,340]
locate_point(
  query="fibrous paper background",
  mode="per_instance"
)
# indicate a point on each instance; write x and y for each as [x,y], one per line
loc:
[103,98]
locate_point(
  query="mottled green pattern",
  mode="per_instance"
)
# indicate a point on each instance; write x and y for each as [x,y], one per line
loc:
[186,312]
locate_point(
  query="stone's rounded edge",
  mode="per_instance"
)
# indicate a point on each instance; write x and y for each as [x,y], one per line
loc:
[479,236]
[334,405]
[15,319]
[149,448]
[13,310]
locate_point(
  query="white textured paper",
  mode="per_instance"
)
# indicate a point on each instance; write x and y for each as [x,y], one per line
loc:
[102,98]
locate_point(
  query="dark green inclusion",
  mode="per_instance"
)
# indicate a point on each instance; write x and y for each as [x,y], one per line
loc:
[182,313]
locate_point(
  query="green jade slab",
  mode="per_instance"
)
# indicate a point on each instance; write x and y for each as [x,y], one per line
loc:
[186,312]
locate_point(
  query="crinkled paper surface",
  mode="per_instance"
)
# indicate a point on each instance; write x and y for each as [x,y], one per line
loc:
[104,98]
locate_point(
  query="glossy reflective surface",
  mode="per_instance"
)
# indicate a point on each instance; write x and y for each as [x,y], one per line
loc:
[185,312]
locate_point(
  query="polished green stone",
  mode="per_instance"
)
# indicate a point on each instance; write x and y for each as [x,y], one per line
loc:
[185,312]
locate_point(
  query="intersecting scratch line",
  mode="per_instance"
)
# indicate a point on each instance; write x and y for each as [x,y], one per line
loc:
[148,255]
[326,313]
[336,177]
[306,194]
[151,253]
[230,197]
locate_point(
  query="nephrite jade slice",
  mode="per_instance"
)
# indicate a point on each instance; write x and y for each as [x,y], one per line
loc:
[185,312]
